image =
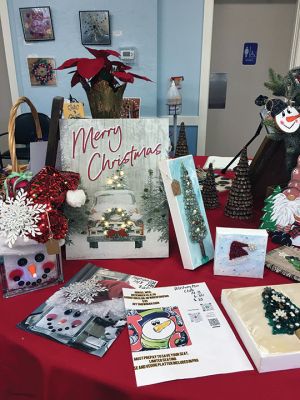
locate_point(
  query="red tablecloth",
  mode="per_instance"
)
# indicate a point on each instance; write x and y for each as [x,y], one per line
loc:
[33,367]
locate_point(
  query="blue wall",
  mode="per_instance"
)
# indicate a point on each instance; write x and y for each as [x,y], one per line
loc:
[179,51]
[133,23]
[167,35]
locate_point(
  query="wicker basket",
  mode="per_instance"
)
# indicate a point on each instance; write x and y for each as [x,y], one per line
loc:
[16,167]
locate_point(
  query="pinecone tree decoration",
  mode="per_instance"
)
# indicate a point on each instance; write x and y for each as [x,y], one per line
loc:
[181,146]
[240,199]
[209,190]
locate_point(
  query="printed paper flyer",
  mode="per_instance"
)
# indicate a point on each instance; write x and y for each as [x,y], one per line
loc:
[179,332]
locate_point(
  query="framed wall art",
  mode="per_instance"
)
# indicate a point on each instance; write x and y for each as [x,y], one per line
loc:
[37,23]
[95,27]
[41,71]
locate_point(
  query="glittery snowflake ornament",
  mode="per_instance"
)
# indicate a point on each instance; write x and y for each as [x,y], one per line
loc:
[84,291]
[19,217]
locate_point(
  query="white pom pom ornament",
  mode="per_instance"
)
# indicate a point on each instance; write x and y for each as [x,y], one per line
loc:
[76,198]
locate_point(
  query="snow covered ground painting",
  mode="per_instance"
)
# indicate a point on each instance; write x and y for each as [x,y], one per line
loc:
[118,164]
[240,252]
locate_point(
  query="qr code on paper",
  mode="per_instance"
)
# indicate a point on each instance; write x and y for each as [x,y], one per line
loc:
[207,307]
[214,322]
[195,316]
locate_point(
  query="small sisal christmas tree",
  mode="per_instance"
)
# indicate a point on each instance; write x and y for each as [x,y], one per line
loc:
[117,181]
[240,200]
[282,314]
[181,146]
[196,223]
[266,221]
[209,190]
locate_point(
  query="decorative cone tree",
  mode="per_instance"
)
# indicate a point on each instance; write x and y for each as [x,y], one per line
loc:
[267,222]
[283,315]
[117,181]
[197,227]
[181,146]
[240,200]
[209,190]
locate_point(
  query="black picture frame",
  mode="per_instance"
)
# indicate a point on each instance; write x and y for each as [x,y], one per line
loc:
[37,24]
[95,27]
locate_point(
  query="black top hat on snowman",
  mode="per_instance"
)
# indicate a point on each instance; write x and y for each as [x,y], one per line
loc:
[275,106]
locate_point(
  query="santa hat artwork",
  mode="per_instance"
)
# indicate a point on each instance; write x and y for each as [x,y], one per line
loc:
[240,252]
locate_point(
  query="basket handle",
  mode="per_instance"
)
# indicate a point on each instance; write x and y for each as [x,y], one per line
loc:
[11,130]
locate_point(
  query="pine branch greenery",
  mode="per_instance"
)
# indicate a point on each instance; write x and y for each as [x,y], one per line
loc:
[155,207]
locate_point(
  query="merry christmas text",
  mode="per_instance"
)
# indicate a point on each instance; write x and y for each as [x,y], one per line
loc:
[92,139]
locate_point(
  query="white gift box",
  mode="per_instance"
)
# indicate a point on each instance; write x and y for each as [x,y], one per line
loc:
[240,252]
[269,352]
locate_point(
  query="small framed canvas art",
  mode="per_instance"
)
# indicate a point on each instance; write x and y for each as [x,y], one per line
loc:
[187,210]
[42,71]
[240,252]
[37,24]
[95,27]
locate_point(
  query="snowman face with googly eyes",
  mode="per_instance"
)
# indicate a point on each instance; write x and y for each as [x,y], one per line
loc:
[288,120]
[31,270]
[158,328]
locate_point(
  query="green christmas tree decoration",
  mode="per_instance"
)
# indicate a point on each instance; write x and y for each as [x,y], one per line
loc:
[287,86]
[196,223]
[240,199]
[266,220]
[117,181]
[78,218]
[294,261]
[181,146]
[155,207]
[209,190]
[282,314]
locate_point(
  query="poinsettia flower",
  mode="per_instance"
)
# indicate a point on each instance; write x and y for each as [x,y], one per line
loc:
[88,68]
[102,53]
[69,63]
[91,70]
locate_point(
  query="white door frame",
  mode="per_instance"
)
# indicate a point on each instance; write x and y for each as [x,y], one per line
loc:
[9,53]
[205,66]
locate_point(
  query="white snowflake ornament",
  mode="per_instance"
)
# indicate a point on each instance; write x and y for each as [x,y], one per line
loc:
[83,291]
[19,217]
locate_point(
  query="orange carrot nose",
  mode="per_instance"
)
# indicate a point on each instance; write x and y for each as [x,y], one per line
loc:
[32,270]
[292,118]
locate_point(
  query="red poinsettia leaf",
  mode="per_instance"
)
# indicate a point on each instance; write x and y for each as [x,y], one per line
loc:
[69,63]
[124,76]
[75,79]
[141,77]
[88,67]
[103,53]
[120,65]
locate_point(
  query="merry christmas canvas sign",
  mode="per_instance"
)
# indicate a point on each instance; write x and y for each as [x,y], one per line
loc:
[127,215]
[240,252]
[187,210]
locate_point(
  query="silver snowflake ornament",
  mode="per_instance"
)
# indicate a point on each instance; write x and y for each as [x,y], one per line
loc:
[19,217]
[83,291]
